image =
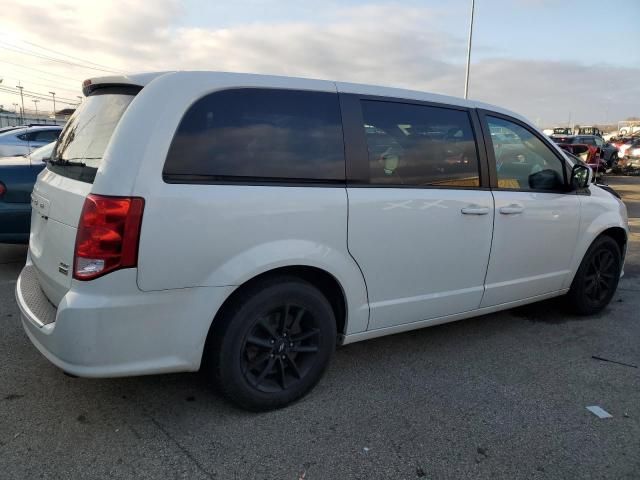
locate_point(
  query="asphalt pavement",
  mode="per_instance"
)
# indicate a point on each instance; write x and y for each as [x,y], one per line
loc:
[499,396]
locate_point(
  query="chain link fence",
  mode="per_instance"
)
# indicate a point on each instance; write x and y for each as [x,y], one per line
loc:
[8,119]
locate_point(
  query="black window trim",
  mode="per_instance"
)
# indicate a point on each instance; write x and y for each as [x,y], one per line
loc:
[483,114]
[356,150]
[237,180]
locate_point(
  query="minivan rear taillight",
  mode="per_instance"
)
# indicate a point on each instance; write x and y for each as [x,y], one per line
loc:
[108,235]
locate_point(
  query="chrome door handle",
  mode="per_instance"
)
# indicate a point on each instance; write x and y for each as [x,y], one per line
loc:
[512,209]
[475,210]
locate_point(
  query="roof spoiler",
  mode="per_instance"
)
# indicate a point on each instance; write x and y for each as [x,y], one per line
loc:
[134,80]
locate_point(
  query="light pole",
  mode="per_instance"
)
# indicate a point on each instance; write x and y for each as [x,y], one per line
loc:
[35,102]
[53,94]
[22,102]
[466,75]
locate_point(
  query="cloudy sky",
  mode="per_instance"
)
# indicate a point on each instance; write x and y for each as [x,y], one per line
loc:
[550,60]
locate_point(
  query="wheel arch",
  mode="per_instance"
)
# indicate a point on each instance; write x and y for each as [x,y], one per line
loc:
[617,233]
[323,280]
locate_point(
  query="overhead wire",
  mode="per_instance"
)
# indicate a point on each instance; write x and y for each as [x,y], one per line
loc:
[24,51]
[73,57]
[51,86]
[38,96]
[41,71]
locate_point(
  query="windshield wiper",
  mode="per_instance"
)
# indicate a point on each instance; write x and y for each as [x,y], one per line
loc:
[67,163]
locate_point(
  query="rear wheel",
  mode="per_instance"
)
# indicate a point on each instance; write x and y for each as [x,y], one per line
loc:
[273,343]
[597,278]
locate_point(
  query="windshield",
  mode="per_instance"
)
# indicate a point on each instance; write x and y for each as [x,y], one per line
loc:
[84,139]
[42,154]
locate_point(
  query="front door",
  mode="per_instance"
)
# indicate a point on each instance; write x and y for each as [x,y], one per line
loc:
[537,219]
[419,222]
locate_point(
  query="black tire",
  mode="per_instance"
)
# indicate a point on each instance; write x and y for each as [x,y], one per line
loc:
[597,278]
[262,363]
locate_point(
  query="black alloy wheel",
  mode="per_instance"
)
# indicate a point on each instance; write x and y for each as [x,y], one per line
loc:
[597,278]
[272,343]
[281,348]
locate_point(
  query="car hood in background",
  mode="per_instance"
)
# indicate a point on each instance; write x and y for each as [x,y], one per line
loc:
[13,161]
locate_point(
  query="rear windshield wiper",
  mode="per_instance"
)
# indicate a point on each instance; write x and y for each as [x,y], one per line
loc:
[66,163]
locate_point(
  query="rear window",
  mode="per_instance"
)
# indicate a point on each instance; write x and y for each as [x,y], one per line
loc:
[259,135]
[86,135]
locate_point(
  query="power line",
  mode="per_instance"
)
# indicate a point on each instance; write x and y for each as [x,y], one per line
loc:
[41,71]
[51,59]
[49,85]
[37,93]
[70,56]
[38,96]
[44,96]
[52,81]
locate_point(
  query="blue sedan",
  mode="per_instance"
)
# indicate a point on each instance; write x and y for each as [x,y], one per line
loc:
[17,176]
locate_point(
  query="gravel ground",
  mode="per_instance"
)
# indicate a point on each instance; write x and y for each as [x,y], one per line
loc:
[499,396]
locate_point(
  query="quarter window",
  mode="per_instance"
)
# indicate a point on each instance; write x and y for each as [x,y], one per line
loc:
[259,134]
[419,145]
[523,161]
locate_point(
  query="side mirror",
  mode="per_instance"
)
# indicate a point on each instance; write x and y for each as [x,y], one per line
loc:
[581,177]
[545,180]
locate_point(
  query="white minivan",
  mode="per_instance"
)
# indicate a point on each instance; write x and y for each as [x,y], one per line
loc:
[251,223]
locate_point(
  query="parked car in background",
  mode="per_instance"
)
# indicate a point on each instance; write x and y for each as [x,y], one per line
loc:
[588,148]
[630,155]
[17,176]
[22,141]
[628,127]
[15,127]
[260,221]
[9,128]
[608,151]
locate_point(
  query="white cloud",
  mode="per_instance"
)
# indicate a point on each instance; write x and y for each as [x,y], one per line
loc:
[380,44]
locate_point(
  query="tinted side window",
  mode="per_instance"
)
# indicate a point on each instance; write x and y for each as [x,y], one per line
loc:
[524,162]
[45,136]
[419,145]
[259,134]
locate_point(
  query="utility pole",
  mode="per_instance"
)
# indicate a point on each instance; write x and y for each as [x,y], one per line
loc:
[20,87]
[466,75]
[53,94]
[35,102]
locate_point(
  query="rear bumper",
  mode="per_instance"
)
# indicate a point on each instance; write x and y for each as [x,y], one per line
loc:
[109,328]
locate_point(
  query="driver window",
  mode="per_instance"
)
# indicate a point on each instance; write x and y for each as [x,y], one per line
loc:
[523,161]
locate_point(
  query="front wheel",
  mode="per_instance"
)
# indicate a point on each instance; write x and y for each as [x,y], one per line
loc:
[597,278]
[273,343]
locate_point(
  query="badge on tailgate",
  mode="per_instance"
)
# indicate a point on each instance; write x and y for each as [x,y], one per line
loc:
[40,205]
